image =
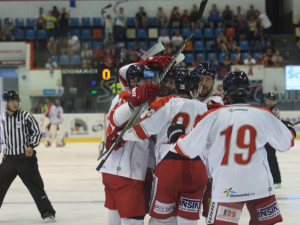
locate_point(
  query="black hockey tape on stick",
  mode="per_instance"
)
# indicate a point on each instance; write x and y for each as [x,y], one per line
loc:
[135,116]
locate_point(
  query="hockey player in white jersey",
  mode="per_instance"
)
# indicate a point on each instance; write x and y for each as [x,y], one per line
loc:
[207,74]
[179,182]
[124,172]
[232,138]
[57,130]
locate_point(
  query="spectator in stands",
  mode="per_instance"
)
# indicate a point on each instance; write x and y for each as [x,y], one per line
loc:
[194,15]
[50,24]
[108,21]
[51,65]
[249,60]
[168,51]
[259,32]
[109,40]
[267,60]
[120,24]
[212,60]
[241,27]
[55,12]
[98,55]
[226,61]
[252,23]
[7,31]
[109,59]
[211,25]
[72,45]
[86,56]
[238,13]
[298,44]
[269,49]
[164,38]
[231,45]
[199,59]
[175,18]
[214,14]
[52,45]
[227,15]
[177,39]
[265,21]
[133,55]
[222,43]
[277,59]
[161,18]
[141,18]
[260,60]
[142,47]
[185,19]
[40,22]
[251,12]
[63,21]
[237,59]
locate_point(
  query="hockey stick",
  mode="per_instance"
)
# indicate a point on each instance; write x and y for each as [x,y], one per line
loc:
[153,51]
[296,123]
[135,115]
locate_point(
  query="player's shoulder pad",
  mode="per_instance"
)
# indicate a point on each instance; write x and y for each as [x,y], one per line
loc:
[217,94]
[161,102]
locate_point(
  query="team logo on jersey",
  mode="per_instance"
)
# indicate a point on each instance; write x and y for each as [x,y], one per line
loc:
[268,212]
[19,124]
[228,214]
[189,205]
[229,191]
[150,112]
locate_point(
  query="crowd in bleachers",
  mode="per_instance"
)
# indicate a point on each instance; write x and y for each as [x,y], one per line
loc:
[225,37]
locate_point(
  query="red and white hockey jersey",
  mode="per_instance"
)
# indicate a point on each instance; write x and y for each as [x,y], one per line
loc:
[130,160]
[55,114]
[164,112]
[232,138]
[214,97]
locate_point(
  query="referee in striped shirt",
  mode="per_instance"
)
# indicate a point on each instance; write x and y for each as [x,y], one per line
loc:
[20,134]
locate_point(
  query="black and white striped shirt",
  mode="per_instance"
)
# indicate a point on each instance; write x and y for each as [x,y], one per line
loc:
[18,132]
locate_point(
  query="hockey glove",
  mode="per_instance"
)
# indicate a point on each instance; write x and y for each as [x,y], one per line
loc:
[175,131]
[110,140]
[157,62]
[213,105]
[290,126]
[146,92]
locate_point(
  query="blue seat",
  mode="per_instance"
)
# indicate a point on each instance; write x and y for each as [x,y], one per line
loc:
[199,45]
[89,43]
[19,22]
[173,30]
[98,43]
[198,33]
[189,57]
[85,22]
[208,33]
[19,34]
[130,22]
[86,34]
[218,31]
[76,59]
[63,60]
[222,56]
[142,33]
[74,22]
[0,22]
[185,31]
[130,44]
[263,44]
[256,55]
[210,54]
[97,22]
[41,34]
[152,43]
[152,22]
[244,55]
[210,45]
[75,32]
[165,29]
[54,58]
[244,45]
[30,34]
[232,56]
[203,56]
[30,22]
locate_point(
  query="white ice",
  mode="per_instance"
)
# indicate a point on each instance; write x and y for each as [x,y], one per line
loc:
[76,191]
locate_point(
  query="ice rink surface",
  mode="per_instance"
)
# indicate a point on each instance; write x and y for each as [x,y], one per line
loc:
[76,191]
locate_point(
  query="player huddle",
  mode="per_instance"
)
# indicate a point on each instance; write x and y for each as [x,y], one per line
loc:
[189,149]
